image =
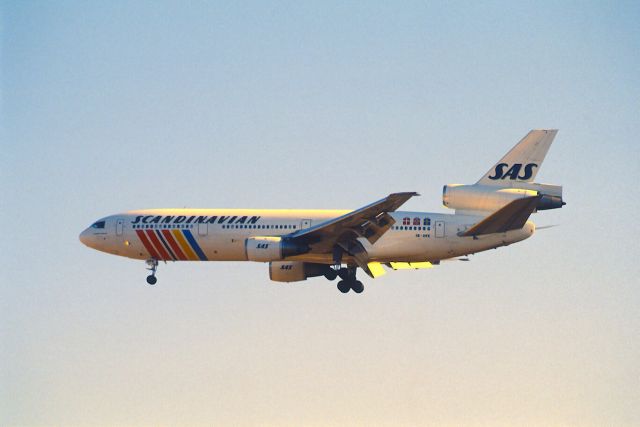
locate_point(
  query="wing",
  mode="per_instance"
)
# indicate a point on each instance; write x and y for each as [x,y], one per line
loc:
[510,217]
[371,222]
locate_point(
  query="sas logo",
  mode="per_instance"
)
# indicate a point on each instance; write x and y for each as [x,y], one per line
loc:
[262,246]
[513,172]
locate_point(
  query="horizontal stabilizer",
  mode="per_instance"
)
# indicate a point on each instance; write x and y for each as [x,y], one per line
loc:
[511,217]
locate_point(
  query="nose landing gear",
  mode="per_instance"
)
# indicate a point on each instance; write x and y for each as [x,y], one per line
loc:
[153,266]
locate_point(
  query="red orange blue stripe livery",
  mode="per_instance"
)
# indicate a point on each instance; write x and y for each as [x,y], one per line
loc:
[171,245]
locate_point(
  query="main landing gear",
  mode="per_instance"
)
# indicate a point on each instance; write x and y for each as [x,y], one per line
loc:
[348,275]
[153,266]
[349,282]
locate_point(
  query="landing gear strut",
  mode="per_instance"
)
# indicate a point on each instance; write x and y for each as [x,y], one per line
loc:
[153,266]
[349,282]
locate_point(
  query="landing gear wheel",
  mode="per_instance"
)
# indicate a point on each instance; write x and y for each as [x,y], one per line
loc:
[344,286]
[153,266]
[331,274]
[357,287]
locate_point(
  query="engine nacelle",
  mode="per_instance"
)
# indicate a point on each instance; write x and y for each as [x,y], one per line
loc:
[489,198]
[270,248]
[296,271]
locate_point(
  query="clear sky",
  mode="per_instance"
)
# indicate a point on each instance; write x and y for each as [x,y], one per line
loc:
[110,106]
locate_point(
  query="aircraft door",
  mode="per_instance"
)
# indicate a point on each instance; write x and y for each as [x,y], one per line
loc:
[203,229]
[305,223]
[439,229]
[119,226]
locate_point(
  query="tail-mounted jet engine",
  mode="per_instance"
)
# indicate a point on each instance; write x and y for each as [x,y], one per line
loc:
[296,271]
[271,248]
[490,198]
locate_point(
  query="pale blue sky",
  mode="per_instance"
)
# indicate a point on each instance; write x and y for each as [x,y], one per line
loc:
[109,106]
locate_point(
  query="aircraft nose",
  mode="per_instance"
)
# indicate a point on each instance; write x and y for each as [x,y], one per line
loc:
[84,237]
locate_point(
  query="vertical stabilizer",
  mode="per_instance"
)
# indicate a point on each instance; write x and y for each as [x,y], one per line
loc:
[522,162]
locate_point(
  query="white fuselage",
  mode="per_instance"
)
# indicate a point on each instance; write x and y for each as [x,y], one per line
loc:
[220,234]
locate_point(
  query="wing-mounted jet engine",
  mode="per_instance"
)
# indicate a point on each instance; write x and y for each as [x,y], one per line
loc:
[271,248]
[297,271]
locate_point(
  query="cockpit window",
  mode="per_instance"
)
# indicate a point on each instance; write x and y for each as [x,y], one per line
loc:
[99,224]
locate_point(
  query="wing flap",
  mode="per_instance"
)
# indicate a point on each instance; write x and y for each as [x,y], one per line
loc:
[376,269]
[410,265]
[510,217]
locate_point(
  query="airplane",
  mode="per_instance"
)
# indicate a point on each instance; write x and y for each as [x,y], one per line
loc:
[299,244]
